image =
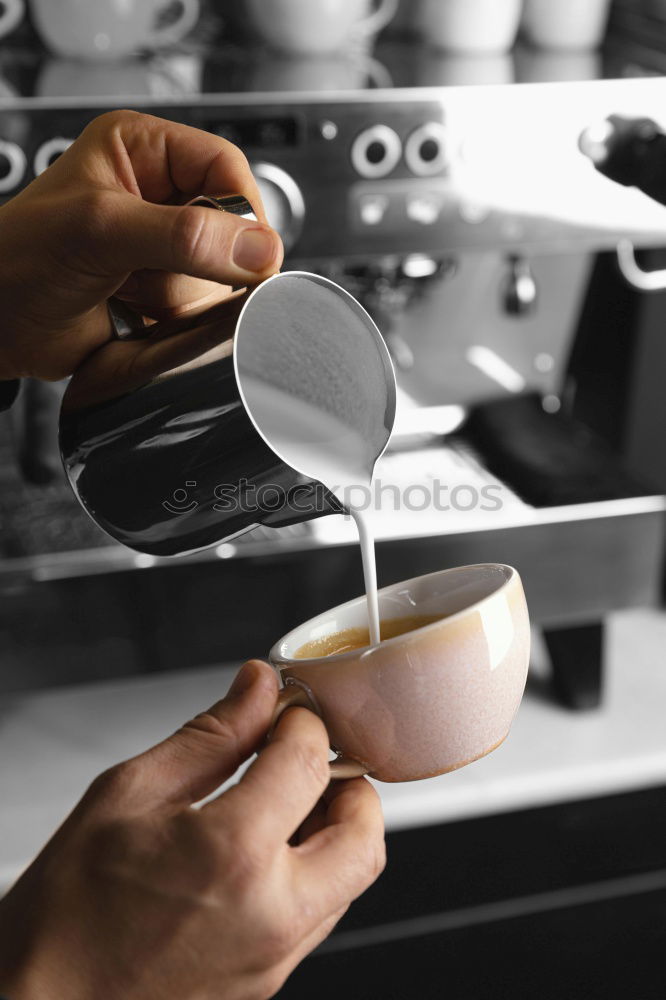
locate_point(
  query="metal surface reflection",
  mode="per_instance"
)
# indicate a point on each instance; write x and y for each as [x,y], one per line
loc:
[193,431]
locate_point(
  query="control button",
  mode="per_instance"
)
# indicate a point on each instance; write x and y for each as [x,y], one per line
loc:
[426,151]
[328,130]
[49,152]
[424,209]
[376,151]
[12,166]
[283,201]
[473,212]
[544,363]
[373,209]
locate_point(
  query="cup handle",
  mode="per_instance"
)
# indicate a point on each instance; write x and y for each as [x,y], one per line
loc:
[171,34]
[293,695]
[384,14]
[11,16]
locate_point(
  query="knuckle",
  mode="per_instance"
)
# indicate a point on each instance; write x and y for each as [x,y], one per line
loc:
[191,236]
[233,155]
[212,730]
[92,217]
[112,119]
[372,860]
[377,859]
[311,758]
[117,782]
[365,863]
[222,726]
[95,204]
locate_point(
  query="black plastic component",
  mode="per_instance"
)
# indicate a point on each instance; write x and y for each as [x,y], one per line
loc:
[633,153]
[548,459]
[576,655]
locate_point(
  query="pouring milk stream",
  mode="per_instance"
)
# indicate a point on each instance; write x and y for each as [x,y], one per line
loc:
[319,386]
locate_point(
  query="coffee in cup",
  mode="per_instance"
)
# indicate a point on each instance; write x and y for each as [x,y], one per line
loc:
[359,638]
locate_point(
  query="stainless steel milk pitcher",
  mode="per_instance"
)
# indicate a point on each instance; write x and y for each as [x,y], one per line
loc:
[178,436]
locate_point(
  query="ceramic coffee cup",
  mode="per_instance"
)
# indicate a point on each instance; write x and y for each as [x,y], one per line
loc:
[470,26]
[425,702]
[310,27]
[109,29]
[565,24]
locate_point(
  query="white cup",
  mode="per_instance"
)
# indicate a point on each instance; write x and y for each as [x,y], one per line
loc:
[470,25]
[565,24]
[108,29]
[310,27]
[11,15]
[427,701]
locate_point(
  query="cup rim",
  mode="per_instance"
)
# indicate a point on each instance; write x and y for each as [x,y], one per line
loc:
[280,661]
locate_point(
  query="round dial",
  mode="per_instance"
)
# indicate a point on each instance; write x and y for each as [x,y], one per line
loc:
[426,150]
[283,201]
[376,151]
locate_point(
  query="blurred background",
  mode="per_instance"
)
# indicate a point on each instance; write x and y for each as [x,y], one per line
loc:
[487,177]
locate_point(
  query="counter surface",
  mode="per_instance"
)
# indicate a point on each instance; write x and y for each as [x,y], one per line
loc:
[53,743]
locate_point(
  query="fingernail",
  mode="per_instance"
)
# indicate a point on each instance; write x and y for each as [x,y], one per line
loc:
[242,681]
[254,249]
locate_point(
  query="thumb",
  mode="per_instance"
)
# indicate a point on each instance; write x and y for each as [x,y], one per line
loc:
[187,239]
[195,760]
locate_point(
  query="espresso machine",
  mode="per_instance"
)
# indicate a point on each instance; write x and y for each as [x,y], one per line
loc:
[461,210]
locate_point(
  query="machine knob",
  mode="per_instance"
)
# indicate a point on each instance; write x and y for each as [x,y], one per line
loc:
[283,201]
[426,150]
[376,151]
[12,166]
